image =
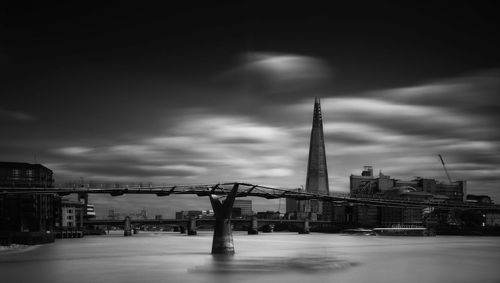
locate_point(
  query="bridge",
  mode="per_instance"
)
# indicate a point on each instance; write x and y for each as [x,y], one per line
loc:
[222,198]
[252,224]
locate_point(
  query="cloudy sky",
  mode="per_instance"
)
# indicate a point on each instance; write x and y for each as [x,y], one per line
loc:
[203,94]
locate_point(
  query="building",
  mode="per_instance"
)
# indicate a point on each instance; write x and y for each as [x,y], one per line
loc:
[317,171]
[417,189]
[194,214]
[383,186]
[20,174]
[268,215]
[242,208]
[72,214]
[28,219]
[483,199]
[366,184]
[90,211]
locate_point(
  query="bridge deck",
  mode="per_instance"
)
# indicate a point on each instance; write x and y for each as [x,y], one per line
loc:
[245,190]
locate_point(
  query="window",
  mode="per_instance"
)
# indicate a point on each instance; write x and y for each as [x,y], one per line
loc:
[16,174]
[70,211]
[69,217]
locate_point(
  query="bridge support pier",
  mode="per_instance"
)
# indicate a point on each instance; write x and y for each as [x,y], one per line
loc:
[254,227]
[127,227]
[223,235]
[192,227]
[305,228]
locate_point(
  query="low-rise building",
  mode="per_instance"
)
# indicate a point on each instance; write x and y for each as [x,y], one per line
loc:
[383,186]
[368,185]
[72,214]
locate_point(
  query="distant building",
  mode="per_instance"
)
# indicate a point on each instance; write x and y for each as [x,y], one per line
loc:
[492,219]
[19,174]
[72,215]
[242,208]
[479,199]
[194,214]
[90,211]
[417,189]
[367,184]
[268,215]
[300,209]
[112,214]
[383,186]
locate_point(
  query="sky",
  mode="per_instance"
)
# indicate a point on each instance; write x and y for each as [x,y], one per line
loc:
[225,92]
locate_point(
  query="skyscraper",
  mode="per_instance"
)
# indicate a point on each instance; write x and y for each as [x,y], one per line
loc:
[317,172]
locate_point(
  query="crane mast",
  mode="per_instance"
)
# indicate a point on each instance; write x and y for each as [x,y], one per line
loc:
[445,170]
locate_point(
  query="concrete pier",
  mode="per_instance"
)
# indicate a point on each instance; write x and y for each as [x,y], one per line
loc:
[254,226]
[223,235]
[305,228]
[192,227]
[127,227]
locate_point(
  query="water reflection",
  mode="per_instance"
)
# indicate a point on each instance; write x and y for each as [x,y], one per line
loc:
[301,263]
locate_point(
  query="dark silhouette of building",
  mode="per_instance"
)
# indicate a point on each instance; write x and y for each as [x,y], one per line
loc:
[20,174]
[28,219]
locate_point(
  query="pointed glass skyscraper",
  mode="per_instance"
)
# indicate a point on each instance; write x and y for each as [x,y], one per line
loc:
[317,172]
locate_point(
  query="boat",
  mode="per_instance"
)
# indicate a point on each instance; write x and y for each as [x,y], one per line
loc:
[402,231]
[358,231]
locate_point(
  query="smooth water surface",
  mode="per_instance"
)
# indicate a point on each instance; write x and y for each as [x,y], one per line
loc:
[267,257]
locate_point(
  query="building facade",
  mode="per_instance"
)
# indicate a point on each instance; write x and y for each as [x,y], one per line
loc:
[72,215]
[383,186]
[317,171]
[20,174]
[28,219]
[368,185]
[242,208]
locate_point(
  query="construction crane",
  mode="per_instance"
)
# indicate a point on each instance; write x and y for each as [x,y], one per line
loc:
[445,170]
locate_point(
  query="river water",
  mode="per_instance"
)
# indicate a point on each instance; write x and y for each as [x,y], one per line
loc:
[267,257]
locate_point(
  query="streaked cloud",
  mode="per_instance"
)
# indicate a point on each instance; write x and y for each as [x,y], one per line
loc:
[74,150]
[399,131]
[277,75]
[18,116]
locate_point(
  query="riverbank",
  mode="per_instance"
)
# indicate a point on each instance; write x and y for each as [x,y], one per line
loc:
[14,248]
